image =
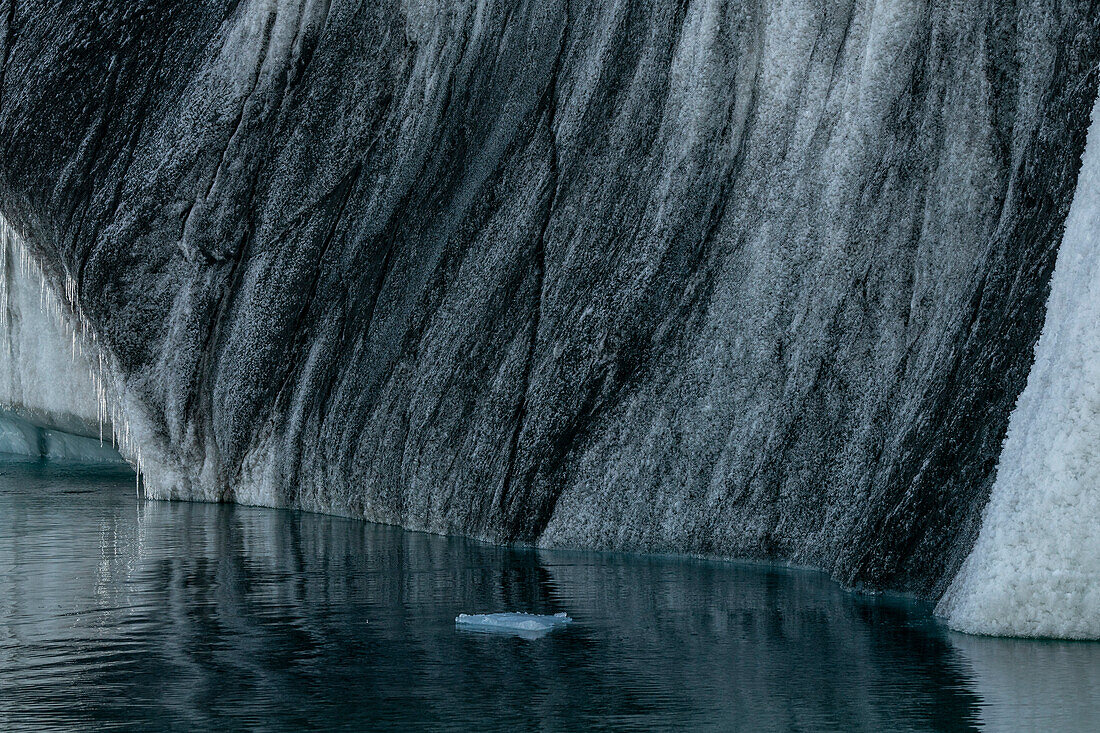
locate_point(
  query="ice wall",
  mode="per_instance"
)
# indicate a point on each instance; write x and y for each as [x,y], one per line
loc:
[721,277]
[1035,570]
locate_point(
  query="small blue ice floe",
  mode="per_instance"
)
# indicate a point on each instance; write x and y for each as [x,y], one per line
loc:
[527,625]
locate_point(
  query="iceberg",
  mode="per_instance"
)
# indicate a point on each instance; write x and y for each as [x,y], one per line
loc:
[728,279]
[527,625]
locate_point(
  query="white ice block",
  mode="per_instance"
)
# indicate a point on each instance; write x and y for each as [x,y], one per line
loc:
[522,624]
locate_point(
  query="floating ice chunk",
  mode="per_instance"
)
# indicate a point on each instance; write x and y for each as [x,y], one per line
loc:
[528,625]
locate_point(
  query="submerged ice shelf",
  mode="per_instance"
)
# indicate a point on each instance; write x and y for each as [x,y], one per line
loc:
[19,437]
[529,625]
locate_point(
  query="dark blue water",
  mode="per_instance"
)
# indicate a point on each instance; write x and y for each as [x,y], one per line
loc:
[117,614]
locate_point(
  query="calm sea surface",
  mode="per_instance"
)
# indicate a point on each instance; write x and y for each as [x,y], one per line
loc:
[120,614]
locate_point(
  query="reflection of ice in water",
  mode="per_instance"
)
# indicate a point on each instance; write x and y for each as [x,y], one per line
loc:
[102,598]
[1025,684]
[527,625]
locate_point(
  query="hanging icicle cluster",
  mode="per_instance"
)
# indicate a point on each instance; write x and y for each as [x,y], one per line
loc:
[65,310]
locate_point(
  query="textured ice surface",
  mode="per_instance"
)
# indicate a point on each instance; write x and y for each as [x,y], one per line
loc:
[18,437]
[523,624]
[1035,570]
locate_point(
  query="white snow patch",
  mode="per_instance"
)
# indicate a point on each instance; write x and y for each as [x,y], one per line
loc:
[1035,569]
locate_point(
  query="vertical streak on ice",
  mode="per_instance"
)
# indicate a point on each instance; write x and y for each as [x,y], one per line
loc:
[1035,569]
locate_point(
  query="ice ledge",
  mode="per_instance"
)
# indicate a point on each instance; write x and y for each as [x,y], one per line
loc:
[20,437]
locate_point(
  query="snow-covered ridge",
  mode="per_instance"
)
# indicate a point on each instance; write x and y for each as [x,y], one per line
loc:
[1035,570]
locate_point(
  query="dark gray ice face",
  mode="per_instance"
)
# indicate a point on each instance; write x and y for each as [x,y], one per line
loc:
[754,279]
